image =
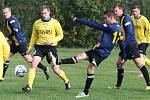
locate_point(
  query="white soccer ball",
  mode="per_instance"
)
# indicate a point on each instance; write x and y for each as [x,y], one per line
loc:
[20,70]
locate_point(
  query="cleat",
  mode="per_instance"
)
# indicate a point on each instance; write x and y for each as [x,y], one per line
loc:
[68,86]
[47,74]
[114,87]
[81,95]
[26,88]
[2,79]
[147,88]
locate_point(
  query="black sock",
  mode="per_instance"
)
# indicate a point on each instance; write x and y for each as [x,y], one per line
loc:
[41,66]
[5,67]
[89,81]
[120,76]
[145,74]
[72,60]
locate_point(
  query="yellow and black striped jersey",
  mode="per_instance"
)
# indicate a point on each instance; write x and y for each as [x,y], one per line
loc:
[46,31]
[142,29]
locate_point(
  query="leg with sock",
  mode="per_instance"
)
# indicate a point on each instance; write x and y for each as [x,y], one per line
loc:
[120,76]
[45,70]
[5,67]
[71,60]
[31,77]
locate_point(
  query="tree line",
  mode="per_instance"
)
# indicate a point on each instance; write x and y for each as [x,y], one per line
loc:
[27,11]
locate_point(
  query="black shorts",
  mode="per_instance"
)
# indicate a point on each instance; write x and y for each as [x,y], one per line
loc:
[142,48]
[21,48]
[132,52]
[94,57]
[49,51]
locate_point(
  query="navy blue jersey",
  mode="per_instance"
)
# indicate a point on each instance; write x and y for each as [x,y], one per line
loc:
[111,35]
[15,31]
[128,29]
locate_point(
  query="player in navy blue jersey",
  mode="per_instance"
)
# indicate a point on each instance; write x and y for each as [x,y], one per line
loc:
[130,48]
[18,41]
[111,35]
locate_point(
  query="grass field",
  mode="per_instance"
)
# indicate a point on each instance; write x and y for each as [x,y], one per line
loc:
[53,89]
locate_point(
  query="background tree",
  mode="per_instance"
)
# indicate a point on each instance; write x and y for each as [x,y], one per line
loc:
[27,11]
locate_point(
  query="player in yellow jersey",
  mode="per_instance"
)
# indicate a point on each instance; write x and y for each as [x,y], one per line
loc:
[4,53]
[142,30]
[46,33]
[18,41]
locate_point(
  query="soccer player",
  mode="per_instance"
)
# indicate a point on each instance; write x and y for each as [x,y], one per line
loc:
[111,35]
[131,49]
[142,32]
[18,41]
[46,33]
[4,53]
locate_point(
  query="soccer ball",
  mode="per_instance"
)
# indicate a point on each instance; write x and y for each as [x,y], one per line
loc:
[20,70]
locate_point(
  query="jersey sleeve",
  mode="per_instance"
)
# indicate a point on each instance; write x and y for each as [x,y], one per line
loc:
[33,38]
[59,32]
[128,26]
[102,27]
[15,27]
[147,26]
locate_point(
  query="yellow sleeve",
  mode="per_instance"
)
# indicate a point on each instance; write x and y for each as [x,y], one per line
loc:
[59,33]
[147,26]
[33,38]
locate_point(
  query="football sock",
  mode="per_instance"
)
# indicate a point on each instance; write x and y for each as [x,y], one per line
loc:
[5,67]
[63,76]
[31,77]
[88,83]
[145,74]
[147,62]
[72,60]
[120,76]
[41,66]
[1,70]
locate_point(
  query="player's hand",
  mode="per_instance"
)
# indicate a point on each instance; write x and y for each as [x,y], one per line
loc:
[48,43]
[28,51]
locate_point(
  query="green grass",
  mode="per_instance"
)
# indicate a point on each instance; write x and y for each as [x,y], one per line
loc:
[53,89]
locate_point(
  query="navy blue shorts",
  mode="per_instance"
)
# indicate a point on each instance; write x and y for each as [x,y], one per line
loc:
[132,52]
[94,57]
[21,48]
[142,48]
[49,51]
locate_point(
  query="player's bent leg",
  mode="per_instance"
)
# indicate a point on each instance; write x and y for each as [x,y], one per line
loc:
[143,69]
[90,77]
[31,75]
[120,74]
[6,64]
[28,58]
[61,74]
[75,59]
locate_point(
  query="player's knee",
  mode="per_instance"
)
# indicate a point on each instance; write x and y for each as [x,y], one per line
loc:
[119,65]
[56,69]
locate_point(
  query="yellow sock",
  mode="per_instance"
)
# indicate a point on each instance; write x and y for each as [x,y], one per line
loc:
[63,76]
[147,62]
[1,71]
[31,77]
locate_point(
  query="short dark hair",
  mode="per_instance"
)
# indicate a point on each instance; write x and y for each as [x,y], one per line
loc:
[44,7]
[135,6]
[109,13]
[7,7]
[119,5]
